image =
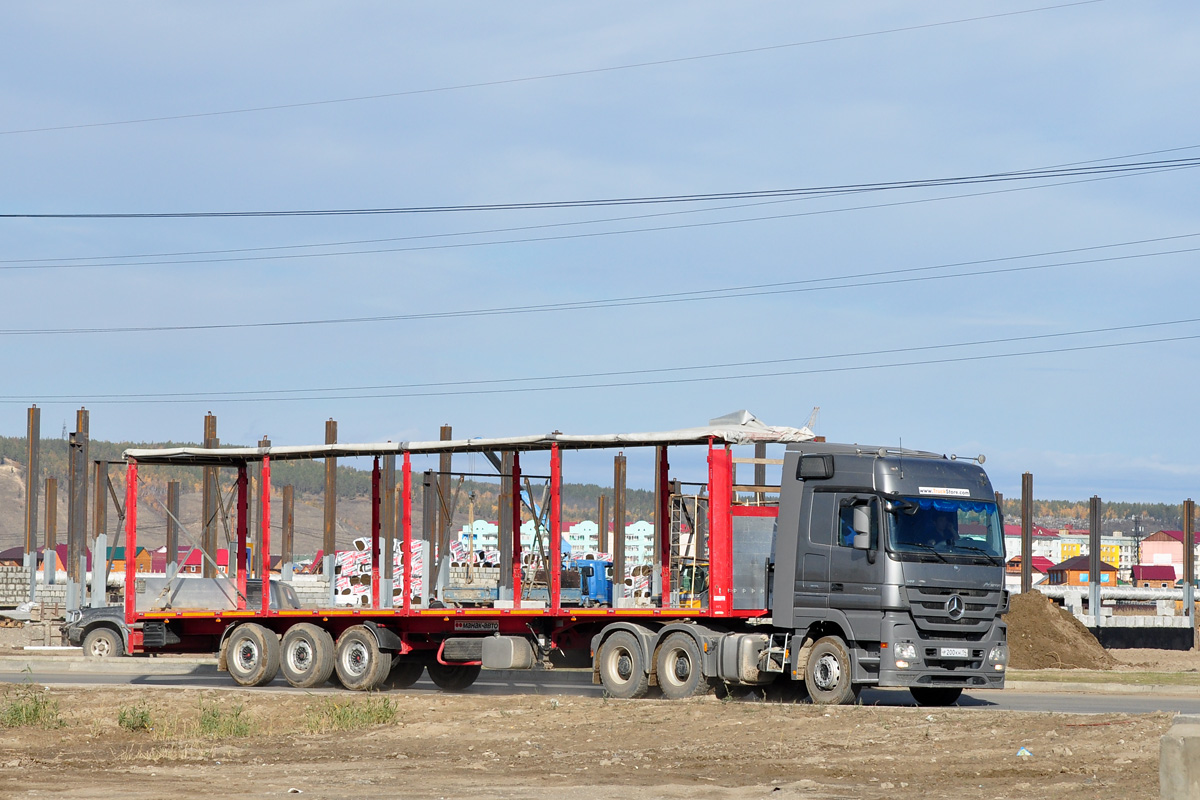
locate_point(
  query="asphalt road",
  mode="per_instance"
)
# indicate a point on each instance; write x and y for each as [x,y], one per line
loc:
[577,682]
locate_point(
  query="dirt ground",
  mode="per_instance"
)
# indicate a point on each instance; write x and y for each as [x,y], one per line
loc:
[496,746]
[484,747]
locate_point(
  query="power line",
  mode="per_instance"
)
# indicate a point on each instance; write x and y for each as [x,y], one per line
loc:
[864,279]
[64,262]
[547,76]
[239,395]
[568,237]
[1045,173]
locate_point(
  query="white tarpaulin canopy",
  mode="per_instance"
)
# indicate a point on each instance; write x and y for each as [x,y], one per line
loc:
[741,427]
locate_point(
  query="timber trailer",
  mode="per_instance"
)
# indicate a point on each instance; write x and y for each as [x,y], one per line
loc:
[863,566]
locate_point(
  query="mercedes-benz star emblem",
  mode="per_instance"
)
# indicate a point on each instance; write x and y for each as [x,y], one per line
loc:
[955,607]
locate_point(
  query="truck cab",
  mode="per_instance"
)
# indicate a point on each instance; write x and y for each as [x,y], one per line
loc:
[889,570]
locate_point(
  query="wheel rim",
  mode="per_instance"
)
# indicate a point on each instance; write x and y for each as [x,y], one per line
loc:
[300,656]
[679,666]
[622,661]
[827,673]
[356,659]
[101,647]
[247,655]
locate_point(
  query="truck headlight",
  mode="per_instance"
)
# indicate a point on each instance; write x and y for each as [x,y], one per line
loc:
[998,656]
[905,650]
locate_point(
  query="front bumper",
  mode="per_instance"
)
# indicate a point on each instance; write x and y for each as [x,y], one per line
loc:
[934,667]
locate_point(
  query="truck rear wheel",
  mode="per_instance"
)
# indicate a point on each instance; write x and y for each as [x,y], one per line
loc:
[935,695]
[306,657]
[828,673]
[453,677]
[680,672]
[405,672]
[252,655]
[623,667]
[360,664]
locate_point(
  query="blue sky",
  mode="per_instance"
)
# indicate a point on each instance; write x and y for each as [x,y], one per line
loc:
[1081,83]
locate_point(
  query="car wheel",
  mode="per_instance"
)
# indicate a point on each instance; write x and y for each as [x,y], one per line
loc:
[405,672]
[453,677]
[103,643]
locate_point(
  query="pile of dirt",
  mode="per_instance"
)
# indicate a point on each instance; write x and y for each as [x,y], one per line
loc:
[1043,636]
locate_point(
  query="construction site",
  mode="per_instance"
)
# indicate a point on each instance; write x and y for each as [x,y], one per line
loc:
[630,400]
[560,727]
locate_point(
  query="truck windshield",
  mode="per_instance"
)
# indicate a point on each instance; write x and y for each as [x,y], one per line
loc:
[946,527]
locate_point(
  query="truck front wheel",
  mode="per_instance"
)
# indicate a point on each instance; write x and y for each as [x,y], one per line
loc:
[622,667]
[679,669]
[935,695]
[252,655]
[827,675]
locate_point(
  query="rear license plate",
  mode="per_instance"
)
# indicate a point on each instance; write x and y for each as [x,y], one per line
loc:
[955,652]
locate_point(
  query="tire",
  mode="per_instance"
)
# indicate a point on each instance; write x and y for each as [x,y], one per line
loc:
[785,690]
[680,670]
[935,695]
[453,677]
[359,663]
[405,672]
[828,673]
[252,655]
[103,643]
[622,667]
[306,656]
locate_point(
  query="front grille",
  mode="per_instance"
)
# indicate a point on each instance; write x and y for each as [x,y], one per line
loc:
[933,621]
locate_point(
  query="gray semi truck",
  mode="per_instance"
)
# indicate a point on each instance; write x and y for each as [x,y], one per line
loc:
[888,571]
[863,566]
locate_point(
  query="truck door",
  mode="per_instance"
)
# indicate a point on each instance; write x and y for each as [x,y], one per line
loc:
[855,575]
[813,551]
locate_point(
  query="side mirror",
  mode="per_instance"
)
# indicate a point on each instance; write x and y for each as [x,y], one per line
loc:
[862,541]
[588,572]
[861,520]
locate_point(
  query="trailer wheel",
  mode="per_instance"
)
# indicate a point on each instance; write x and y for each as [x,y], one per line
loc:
[622,667]
[935,695]
[103,643]
[306,657]
[360,664]
[828,673]
[405,672]
[678,664]
[453,677]
[252,655]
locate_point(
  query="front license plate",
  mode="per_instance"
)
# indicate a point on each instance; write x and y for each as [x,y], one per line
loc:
[955,652]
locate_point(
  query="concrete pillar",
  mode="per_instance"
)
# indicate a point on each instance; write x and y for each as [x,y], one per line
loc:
[1179,760]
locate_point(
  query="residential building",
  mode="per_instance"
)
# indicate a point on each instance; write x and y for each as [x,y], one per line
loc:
[1154,576]
[1074,572]
[1039,568]
[582,537]
[1166,548]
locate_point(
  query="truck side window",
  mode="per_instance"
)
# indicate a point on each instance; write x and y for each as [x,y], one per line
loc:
[823,518]
[846,525]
